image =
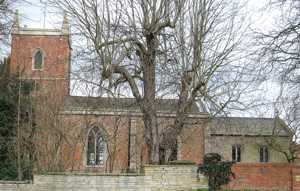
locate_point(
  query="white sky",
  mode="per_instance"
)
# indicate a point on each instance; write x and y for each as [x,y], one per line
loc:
[32,14]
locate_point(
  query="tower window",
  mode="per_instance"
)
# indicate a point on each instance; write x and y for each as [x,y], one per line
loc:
[236,153]
[38,60]
[96,147]
[263,154]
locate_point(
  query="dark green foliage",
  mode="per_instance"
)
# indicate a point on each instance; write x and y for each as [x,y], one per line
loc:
[9,95]
[7,116]
[7,136]
[218,171]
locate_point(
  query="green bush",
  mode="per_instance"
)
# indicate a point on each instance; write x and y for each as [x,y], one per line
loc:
[7,136]
[217,171]
[9,94]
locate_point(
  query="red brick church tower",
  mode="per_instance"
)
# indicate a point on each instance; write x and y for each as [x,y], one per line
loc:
[42,56]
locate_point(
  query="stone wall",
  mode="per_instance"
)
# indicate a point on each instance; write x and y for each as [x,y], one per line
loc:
[13,185]
[153,178]
[249,147]
[176,177]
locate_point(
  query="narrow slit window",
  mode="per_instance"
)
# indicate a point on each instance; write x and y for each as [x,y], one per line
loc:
[236,153]
[263,154]
[38,60]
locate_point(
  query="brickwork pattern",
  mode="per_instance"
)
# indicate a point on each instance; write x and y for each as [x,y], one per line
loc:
[262,176]
[191,147]
[55,71]
[296,178]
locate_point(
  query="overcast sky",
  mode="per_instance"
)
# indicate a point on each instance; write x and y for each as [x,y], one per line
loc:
[32,14]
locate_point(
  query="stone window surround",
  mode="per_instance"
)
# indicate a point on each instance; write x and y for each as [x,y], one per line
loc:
[85,155]
[43,59]
[237,148]
[266,153]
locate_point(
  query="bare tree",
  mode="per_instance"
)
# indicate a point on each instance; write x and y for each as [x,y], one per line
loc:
[5,22]
[120,30]
[209,37]
[278,51]
[142,44]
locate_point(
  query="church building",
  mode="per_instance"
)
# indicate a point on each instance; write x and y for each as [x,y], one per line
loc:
[102,134]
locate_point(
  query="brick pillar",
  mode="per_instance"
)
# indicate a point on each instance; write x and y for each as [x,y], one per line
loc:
[296,178]
[134,157]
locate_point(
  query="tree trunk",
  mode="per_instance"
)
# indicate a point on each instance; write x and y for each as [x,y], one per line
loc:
[152,137]
[182,104]
[149,110]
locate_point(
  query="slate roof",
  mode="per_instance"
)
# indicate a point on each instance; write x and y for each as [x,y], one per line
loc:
[230,126]
[240,126]
[118,104]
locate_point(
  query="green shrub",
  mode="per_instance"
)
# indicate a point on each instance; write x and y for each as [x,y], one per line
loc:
[217,171]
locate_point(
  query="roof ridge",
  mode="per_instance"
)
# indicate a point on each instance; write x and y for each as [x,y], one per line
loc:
[167,105]
[131,98]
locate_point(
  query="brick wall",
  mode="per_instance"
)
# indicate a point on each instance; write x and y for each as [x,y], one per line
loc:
[259,176]
[296,178]
[77,127]
[56,55]
[56,50]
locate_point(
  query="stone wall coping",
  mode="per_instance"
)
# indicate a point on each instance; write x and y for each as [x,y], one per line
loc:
[269,164]
[39,32]
[114,174]
[88,174]
[14,182]
[167,165]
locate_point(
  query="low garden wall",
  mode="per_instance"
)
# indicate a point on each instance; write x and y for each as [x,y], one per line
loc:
[13,185]
[153,178]
[263,176]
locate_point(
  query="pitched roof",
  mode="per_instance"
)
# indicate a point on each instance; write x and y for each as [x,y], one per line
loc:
[118,104]
[240,126]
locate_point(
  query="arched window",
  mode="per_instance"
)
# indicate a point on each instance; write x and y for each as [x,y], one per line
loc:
[96,147]
[38,60]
